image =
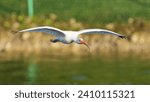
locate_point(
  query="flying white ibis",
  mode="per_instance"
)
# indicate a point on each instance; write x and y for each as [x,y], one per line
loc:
[68,37]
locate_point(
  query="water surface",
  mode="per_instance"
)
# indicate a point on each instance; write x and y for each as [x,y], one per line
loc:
[58,69]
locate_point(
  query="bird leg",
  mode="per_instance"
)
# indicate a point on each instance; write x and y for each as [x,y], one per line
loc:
[54,40]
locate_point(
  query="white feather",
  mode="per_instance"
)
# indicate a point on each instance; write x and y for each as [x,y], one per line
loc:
[49,30]
[98,31]
[69,36]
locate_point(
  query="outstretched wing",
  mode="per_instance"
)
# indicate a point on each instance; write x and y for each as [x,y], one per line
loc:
[49,30]
[99,31]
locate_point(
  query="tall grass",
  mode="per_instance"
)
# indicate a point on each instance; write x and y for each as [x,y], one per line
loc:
[87,11]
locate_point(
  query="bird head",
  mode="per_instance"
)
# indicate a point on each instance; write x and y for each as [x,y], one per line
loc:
[81,41]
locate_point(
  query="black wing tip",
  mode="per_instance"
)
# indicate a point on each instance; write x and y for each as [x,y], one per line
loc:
[15,32]
[123,37]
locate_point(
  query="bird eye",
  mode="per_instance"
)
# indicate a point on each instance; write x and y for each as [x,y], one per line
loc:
[81,39]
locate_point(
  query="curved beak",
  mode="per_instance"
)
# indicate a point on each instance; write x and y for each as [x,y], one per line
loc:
[82,42]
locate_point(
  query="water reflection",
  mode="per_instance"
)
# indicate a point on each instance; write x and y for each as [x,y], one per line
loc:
[74,70]
[79,77]
[32,72]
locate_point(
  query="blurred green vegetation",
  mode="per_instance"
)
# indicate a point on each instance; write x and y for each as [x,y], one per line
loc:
[88,11]
[77,15]
[137,31]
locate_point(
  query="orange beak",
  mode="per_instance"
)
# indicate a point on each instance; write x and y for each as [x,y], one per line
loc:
[82,42]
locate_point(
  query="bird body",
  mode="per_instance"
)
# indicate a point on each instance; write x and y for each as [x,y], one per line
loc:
[71,36]
[68,37]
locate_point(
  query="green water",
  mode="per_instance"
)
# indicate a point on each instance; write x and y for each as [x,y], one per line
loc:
[75,70]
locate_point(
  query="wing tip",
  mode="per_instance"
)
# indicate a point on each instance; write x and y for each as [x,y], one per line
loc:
[14,32]
[123,37]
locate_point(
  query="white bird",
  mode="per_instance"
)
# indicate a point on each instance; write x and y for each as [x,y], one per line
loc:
[68,37]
